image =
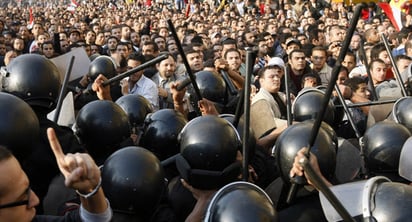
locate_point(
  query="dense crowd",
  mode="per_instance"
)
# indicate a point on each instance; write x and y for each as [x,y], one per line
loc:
[172,151]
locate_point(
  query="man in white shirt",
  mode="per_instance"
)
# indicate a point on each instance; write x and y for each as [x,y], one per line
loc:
[139,84]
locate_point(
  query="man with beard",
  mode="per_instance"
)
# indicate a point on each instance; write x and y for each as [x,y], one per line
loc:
[163,78]
[234,62]
[262,55]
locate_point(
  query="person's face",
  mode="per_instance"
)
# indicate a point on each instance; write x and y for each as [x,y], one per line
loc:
[161,43]
[362,91]
[122,50]
[90,37]
[42,38]
[94,49]
[48,50]
[318,59]
[234,60]
[355,42]
[7,38]
[402,65]
[100,39]
[349,62]
[336,35]
[195,61]
[270,81]
[378,72]
[297,61]
[24,32]
[37,29]
[74,37]
[167,67]
[302,39]
[164,32]
[172,48]
[145,38]
[148,50]
[117,32]
[14,184]
[291,47]
[125,32]
[111,44]
[64,45]
[18,44]
[96,29]
[62,36]
[342,76]
[241,26]
[217,51]
[3,49]
[133,64]
[269,40]
[385,57]
[250,38]
[374,36]
[135,38]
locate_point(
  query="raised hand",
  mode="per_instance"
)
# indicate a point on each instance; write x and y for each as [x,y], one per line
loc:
[80,171]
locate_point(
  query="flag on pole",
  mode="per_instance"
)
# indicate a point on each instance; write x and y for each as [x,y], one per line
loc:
[31,19]
[74,3]
[394,11]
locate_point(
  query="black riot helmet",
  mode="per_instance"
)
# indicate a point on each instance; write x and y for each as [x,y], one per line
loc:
[208,150]
[297,136]
[133,181]
[136,107]
[161,131]
[375,199]
[33,78]
[308,104]
[102,65]
[101,126]
[19,125]
[241,201]
[401,111]
[211,86]
[383,143]
[239,128]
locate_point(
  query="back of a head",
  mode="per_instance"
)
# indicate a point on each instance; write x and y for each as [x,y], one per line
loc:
[383,144]
[211,86]
[133,181]
[241,202]
[297,136]
[33,78]
[308,104]
[102,65]
[208,150]
[136,107]
[161,131]
[19,126]
[101,126]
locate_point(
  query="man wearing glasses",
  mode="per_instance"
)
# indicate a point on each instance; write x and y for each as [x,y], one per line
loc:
[18,201]
[319,65]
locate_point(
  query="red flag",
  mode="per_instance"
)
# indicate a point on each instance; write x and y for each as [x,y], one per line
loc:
[393,13]
[74,3]
[31,19]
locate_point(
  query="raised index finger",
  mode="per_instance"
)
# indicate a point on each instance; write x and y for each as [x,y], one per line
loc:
[55,145]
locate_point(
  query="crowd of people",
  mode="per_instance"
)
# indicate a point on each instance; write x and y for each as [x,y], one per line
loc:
[170,150]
